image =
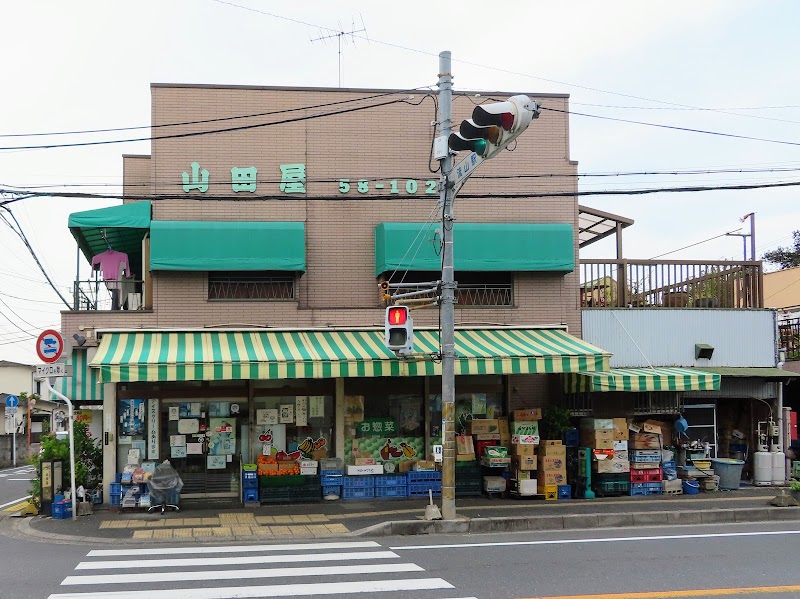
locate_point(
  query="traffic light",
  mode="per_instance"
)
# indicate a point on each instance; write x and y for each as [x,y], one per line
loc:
[494,126]
[399,329]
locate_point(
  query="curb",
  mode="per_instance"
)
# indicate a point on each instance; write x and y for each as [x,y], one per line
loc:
[577,521]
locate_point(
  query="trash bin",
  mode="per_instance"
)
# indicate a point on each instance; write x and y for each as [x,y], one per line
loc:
[729,472]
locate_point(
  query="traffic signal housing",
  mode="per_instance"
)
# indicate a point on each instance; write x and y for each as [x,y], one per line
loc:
[493,126]
[399,329]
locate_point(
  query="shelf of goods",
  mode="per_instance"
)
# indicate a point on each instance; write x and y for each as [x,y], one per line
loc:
[292,488]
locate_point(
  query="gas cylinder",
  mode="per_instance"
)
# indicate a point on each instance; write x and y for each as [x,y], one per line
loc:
[778,467]
[762,468]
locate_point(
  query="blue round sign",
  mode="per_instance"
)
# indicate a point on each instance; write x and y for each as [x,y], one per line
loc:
[12,401]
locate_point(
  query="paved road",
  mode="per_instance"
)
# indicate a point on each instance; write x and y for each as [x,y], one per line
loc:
[14,485]
[652,563]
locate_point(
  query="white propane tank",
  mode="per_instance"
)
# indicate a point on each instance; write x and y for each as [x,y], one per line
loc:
[762,468]
[778,468]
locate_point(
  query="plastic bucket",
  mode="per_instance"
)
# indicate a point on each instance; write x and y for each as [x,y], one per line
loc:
[691,487]
[729,472]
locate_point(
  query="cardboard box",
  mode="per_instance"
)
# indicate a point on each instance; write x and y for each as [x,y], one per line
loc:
[621,445]
[553,463]
[605,435]
[367,469]
[621,455]
[502,424]
[495,462]
[425,465]
[286,465]
[467,457]
[528,414]
[525,439]
[308,467]
[488,437]
[551,442]
[597,424]
[267,467]
[524,450]
[465,445]
[408,465]
[481,427]
[526,427]
[652,426]
[524,463]
[364,461]
[495,451]
[494,484]
[620,429]
[604,444]
[552,451]
[552,477]
[645,441]
[612,466]
[521,475]
[319,454]
[505,440]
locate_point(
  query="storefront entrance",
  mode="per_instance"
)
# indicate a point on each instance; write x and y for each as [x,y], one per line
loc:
[203,439]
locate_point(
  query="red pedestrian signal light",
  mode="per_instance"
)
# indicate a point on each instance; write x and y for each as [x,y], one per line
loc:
[399,329]
[397,315]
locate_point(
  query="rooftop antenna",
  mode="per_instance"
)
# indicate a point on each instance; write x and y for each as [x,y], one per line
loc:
[341,33]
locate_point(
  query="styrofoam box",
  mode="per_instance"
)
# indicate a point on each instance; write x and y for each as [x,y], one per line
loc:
[358,470]
[527,487]
[310,471]
[620,446]
[494,484]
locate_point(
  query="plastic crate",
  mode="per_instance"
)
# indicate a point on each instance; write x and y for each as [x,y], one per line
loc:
[250,495]
[250,475]
[418,476]
[366,481]
[651,475]
[645,459]
[330,480]
[358,492]
[397,491]
[62,511]
[419,489]
[469,488]
[330,490]
[615,477]
[268,495]
[571,437]
[326,464]
[614,487]
[289,480]
[339,472]
[390,480]
[249,467]
[564,492]
[671,464]
[647,488]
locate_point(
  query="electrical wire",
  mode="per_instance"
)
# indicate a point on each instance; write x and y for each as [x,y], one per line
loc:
[694,244]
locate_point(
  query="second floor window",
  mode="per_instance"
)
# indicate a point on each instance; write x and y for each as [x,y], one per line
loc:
[251,286]
[474,288]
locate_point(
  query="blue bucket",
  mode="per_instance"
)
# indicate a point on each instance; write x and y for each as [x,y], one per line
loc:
[729,472]
[691,487]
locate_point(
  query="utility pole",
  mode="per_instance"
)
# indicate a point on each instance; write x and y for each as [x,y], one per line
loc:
[448,295]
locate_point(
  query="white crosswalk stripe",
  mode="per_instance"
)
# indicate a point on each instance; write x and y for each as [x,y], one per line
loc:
[17,472]
[152,573]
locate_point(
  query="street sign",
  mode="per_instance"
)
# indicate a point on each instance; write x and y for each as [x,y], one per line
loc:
[11,412]
[12,401]
[50,346]
[55,370]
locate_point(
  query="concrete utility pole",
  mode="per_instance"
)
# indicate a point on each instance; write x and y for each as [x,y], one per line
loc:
[448,295]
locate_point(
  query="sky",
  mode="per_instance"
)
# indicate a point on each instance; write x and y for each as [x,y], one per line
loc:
[724,67]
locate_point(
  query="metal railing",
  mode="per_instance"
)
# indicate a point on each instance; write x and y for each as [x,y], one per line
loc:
[672,284]
[251,288]
[475,294]
[789,337]
[95,294]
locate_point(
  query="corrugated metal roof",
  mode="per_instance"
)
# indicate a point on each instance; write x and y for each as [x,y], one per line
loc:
[761,373]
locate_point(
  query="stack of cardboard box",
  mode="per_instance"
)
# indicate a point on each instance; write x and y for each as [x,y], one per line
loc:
[524,431]
[552,472]
[608,438]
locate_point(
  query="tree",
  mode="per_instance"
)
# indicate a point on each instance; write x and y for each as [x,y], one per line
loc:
[788,257]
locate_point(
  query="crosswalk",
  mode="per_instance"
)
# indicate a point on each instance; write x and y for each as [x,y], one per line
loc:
[22,473]
[251,571]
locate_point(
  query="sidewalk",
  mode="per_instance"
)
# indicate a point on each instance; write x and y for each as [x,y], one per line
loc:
[405,516]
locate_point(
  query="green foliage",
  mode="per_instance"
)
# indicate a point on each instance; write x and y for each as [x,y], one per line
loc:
[88,459]
[795,485]
[555,421]
[787,257]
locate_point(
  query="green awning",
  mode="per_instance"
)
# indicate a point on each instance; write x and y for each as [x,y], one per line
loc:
[84,384]
[123,226]
[642,379]
[227,245]
[265,354]
[493,247]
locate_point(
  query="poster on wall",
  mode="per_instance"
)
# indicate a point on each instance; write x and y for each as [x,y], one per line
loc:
[177,452]
[188,409]
[188,426]
[287,414]
[219,409]
[84,416]
[354,407]
[174,412]
[177,440]
[153,419]
[194,448]
[478,404]
[301,410]
[131,416]
[216,462]
[274,435]
[316,406]
[267,416]
[395,449]
[223,436]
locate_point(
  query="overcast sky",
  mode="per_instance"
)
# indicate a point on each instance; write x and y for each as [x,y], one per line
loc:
[726,67]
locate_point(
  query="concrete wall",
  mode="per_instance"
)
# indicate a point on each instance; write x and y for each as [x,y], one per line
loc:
[5,450]
[782,289]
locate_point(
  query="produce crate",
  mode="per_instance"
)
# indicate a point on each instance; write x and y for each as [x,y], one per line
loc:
[249,475]
[366,481]
[420,489]
[647,488]
[114,494]
[796,469]
[386,492]
[418,476]
[291,480]
[288,494]
[564,492]
[62,511]
[329,480]
[613,487]
[328,490]
[468,488]
[250,495]
[390,480]
[358,492]
[651,475]
[326,464]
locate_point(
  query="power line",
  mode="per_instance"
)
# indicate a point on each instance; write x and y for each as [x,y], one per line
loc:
[694,244]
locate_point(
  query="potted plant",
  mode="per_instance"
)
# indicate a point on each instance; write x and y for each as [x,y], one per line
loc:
[555,422]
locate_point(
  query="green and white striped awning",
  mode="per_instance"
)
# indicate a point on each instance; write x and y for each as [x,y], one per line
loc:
[84,384]
[264,354]
[642,379]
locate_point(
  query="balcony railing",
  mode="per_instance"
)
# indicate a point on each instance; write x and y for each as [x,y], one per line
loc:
[475,294]
[108,295]
[672,284]
[789,337]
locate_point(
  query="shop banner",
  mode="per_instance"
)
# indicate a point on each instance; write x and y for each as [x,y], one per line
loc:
[316,406]
[153,415]
[301,410]
[377,427]
[223,436]
[385,449]
[131,416]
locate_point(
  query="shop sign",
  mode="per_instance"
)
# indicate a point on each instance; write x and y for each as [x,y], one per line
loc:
[152,429]
[377,426]
[293,180]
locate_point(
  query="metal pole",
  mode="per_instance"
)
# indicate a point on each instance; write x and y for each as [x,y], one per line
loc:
[753,236]
[52,392]
[447,306]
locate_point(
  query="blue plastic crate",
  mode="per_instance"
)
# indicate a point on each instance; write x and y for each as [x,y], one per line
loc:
[669,465]
[646,459]
[391,491]
[250,484]
[564,491]
[332,490]
[250,475]
[329,480]
[358,482]
[647,488]
[418,476]
[250,495]
[332,472]
[571,437]
[62,511]
[358,492]
[421,489]
[118,477]
[391,480]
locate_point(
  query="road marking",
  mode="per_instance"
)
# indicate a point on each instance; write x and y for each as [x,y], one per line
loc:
[16,501]
[279,590]
[602,540]
[232,549]
[678,594]
[27,479]
[227,561]
[237,574]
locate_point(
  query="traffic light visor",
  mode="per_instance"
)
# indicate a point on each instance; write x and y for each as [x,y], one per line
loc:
[398,316]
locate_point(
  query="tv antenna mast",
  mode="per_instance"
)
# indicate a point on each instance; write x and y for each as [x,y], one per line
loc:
[339,35]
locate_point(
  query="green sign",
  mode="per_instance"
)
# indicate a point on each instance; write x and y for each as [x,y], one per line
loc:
[377,426]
